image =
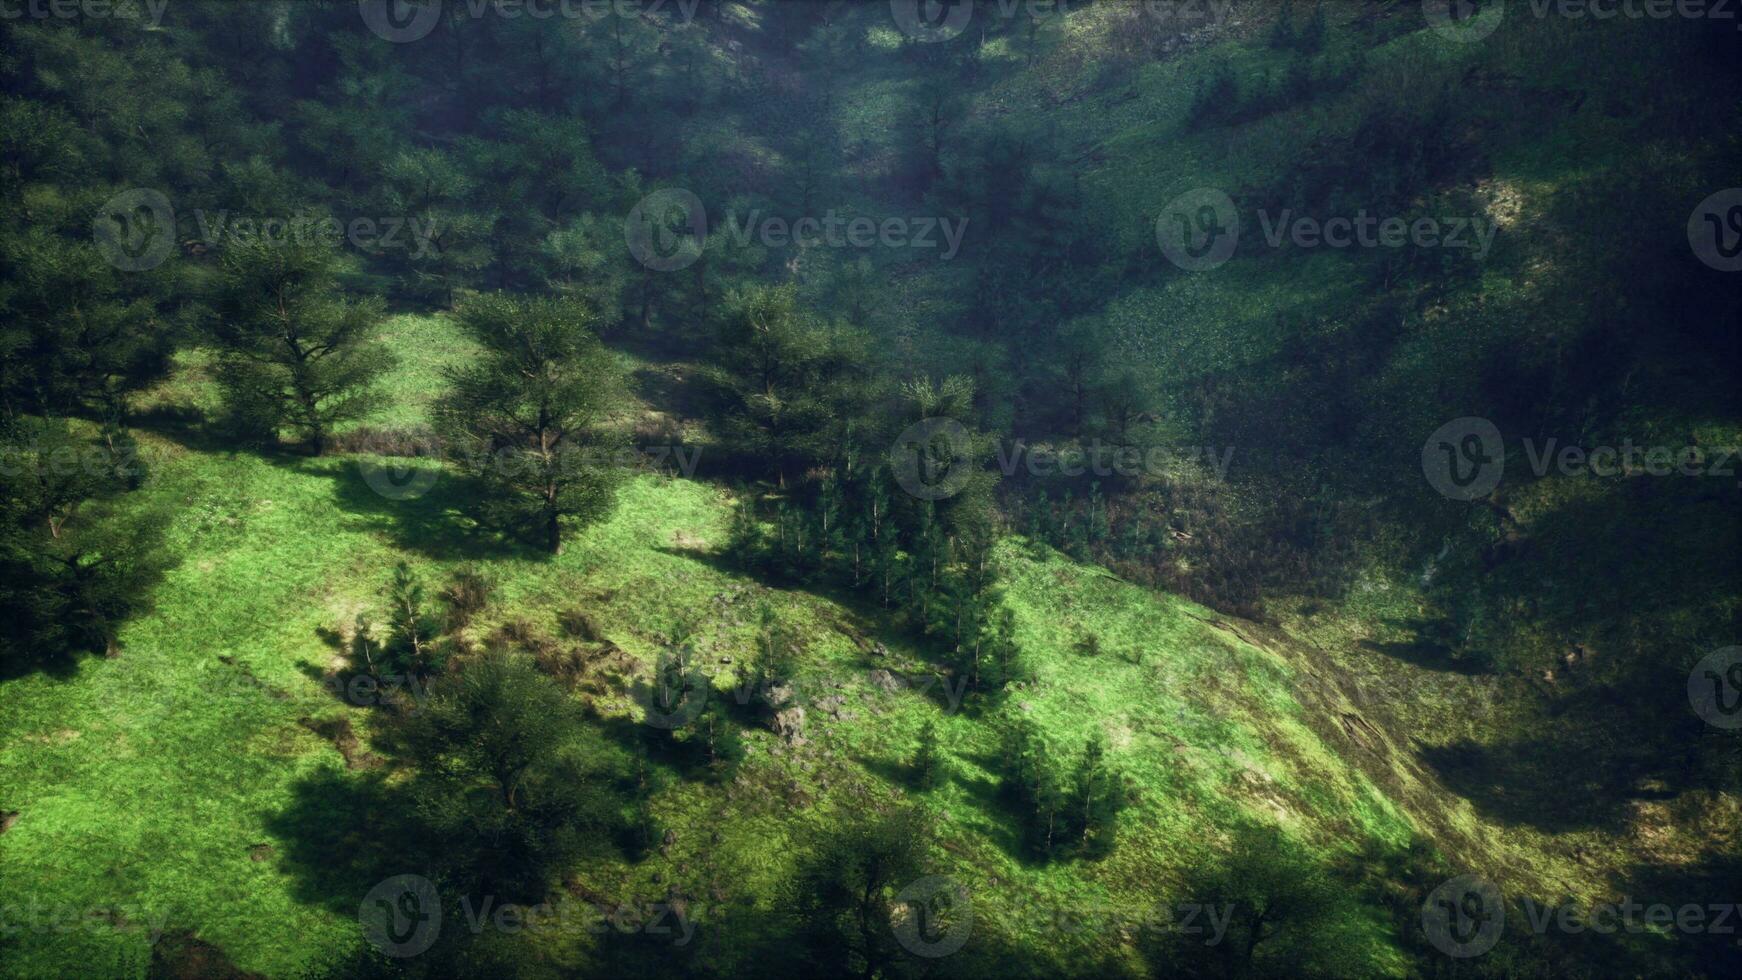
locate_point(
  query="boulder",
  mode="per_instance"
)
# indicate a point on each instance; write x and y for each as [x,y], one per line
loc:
[789,723]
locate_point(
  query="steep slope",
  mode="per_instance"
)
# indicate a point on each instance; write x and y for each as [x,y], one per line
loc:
[213,760]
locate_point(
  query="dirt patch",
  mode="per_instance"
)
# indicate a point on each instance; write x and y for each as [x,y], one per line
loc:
[260,852]
[57,738]
[338,731]
[7,819]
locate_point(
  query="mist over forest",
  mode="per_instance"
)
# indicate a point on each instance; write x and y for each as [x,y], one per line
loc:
[893,488]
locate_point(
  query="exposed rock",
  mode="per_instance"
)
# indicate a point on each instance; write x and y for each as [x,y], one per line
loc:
[883,680]
[260,852]
[777,695]
[789,724]
[832,704]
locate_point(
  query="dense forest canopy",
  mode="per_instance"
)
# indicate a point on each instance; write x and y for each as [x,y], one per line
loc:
[886,488]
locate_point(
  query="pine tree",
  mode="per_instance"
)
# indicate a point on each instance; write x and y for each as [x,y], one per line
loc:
[720,738]
[1003,651]
[744,537]
[783,383]
[1282,33]
[928,763]
[1097,797]
[1047,811]
[295,351]
[526,414]
[412,628]
[75,560]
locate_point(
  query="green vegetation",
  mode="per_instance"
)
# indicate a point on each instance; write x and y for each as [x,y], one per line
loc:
[430,550]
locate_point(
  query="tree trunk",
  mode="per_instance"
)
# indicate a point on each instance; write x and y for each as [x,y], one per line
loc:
[553,533]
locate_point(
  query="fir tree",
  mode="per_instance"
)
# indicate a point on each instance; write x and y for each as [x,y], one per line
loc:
[928,763]
[1097,797]
[295,351]
[526,415]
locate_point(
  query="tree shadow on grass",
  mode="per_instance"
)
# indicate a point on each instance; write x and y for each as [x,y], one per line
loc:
[184,425]
[895,772]
[988,793]
[1567,769]
[1708,944]
[341,834]
[436,515]
[1425,652]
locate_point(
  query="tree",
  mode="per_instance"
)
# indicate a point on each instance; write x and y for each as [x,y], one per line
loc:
[412,628]
[1286,916]
[1125,394]
[527,416]
[843,894]
[75,560]
[720,737]
[447,246]
[928,763]
[512,782]
[1282,32]
[1097,797]
[295,352]
[784,382]
[1030,782]
[73,343]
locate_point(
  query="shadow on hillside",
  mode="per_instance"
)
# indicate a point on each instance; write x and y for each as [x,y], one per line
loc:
[59,669]
[988,794]
[673,388]
[440,520]
[1584,761]
[1615,579]
[1424,653]
[1711,947]
[185,426]
[340,835]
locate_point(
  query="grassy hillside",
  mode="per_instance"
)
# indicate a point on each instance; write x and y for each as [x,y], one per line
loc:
[210,782]
[179,786]
[1398,686]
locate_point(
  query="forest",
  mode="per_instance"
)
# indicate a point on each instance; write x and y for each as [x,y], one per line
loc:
[870,488]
